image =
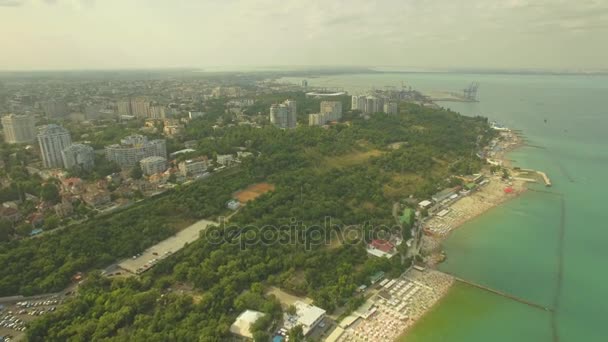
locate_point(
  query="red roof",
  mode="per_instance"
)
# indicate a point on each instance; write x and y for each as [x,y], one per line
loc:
[508,190]
[382,245]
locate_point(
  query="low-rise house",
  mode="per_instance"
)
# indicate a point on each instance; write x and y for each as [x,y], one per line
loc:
[193,167]
[64,209]
[242,326]
[9,213]
[96,198]
[225,159]
[308,316]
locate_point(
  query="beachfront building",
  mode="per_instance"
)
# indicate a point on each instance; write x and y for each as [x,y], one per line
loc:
[53,139]
[308,316]
[134,148]
[152,165]
[284,115]
[242,325]
[18,129]
[78,156]
[381,248]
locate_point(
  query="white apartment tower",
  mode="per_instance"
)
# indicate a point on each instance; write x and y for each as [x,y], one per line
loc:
[78,155]
[18,129]
[53,139]
[284,115]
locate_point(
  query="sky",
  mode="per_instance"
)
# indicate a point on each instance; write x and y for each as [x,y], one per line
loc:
[440,34]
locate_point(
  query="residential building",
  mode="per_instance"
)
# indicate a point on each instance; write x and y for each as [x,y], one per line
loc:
[308,316]
[157,112]
[134,148]
[391,108]
[193,167]
[332,110]
[225,159]
[140,107]
[54,108]
[18,129]
[243,323]
[195,115]
[64,209]
[78,155]
[316,119]
[53,139]
[173,128]
[124,107]
[152,165]
[367,104]
[96,198]
[284,115]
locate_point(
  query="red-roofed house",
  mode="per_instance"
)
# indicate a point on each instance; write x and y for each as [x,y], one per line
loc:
[383,245]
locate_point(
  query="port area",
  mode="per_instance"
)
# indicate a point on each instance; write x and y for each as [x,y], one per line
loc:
[140,263]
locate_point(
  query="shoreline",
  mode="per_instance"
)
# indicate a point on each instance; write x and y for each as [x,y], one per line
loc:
[478,207]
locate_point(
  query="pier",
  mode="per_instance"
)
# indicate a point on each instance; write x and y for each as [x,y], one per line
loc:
[545,178]
[503,294]
[541,174]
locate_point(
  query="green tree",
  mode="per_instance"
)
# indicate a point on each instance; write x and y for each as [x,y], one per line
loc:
[50,192]
[6,230]
[296,334]
[136,172]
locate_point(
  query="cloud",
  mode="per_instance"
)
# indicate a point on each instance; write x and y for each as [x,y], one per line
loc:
[11,3]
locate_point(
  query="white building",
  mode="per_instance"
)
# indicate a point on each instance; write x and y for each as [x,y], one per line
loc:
[316,119]
[193,167]
[195,115]
[332,110]
[243,323]
[53,139]
[78,155]
[225,159]
[391,108]
[308,316]
[153,165]
[18,129]
[367,104]
[134,148]
[284,115]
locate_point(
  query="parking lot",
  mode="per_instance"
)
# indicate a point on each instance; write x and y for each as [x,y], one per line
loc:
[14,317]
[146,260]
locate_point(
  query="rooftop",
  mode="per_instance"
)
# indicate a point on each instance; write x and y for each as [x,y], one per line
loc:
[243,323]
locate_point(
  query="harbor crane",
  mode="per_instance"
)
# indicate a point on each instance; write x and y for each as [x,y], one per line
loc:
[470,93]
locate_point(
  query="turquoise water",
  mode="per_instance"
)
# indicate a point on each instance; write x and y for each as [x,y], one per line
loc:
[547,248]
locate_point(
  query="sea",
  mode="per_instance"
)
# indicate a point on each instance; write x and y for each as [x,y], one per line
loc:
[548,246]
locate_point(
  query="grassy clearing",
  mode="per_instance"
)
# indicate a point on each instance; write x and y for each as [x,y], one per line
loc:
[350,159]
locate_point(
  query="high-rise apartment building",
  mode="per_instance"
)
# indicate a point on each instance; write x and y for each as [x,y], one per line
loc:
[391,108]
[367,104]
[123,107]
[332,110]
[153,165]
[284,115]
[18,129]
[54,108]
[140,107]
[53,139]
[157,112]
[134,148]
[78,155]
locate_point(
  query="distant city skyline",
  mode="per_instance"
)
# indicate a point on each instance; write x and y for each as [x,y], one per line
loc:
[431,34]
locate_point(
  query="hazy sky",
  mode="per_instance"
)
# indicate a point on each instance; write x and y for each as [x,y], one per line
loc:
[101,34]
